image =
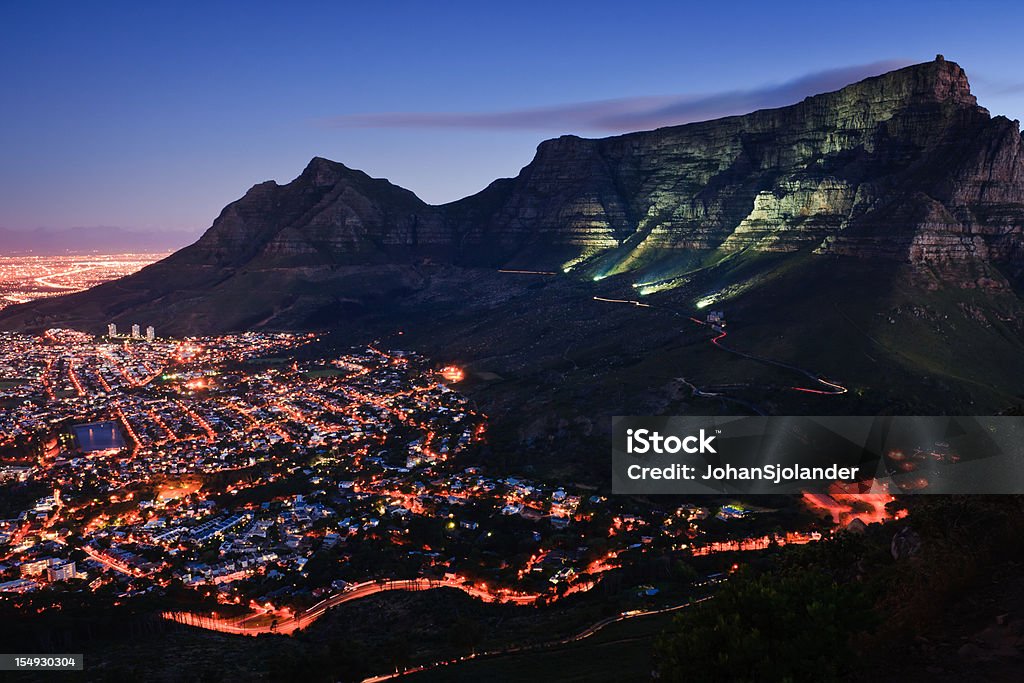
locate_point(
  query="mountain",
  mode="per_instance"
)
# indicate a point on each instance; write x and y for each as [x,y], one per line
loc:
[903,166]
[873,232]
[99,239]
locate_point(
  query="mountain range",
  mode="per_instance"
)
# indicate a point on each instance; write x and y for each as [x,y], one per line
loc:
[871,234]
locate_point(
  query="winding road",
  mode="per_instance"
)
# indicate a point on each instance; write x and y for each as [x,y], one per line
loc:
[827,387]
[284,623]
[833,388]
[269,621]
[517,649]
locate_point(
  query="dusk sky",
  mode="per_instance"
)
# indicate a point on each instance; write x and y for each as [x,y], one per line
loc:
[116,114]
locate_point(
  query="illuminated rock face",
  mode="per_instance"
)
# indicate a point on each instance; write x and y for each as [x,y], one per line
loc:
[904,165]
[901,166]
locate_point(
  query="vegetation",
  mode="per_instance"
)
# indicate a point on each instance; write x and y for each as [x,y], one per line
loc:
[790,626]
[835,610]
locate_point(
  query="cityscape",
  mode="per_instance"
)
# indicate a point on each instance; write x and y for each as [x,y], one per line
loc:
[29,277]
[269,483]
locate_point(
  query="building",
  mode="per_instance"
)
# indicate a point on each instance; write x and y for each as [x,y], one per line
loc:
[18,586]
[150,333]
[61,571]
[14,472]
[136,334]
[716,318]
[34,567]
[111,330]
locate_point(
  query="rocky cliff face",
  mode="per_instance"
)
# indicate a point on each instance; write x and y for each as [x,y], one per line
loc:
[903,167]
[330,214]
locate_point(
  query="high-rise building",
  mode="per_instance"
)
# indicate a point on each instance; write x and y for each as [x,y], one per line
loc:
[136,334]
[111,330]
[150,333]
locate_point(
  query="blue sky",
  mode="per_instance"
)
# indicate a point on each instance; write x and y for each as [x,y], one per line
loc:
[154,118]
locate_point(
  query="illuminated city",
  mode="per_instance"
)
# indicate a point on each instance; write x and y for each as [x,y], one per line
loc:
[26,278]
[227,465]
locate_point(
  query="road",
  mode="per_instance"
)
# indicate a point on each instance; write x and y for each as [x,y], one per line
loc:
[45,280]
[585,633]
[256,624]
[109,563]
[833,388]
[828,387]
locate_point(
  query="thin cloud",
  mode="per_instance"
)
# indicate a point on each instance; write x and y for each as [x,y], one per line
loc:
[996,86]
[1009,89]
[627,114]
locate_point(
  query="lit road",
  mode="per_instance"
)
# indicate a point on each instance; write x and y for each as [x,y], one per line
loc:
[633,302]
[585,633]
[109,563]
[290,624]
[832,387]
[45,280]
[828,387]
[526,272]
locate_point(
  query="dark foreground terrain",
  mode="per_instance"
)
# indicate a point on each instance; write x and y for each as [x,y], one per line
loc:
[945,602]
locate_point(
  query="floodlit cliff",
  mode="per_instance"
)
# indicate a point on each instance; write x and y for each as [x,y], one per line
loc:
[904,166]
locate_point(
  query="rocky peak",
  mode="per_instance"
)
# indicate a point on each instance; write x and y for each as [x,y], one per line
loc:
[323,172]
[939,80]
